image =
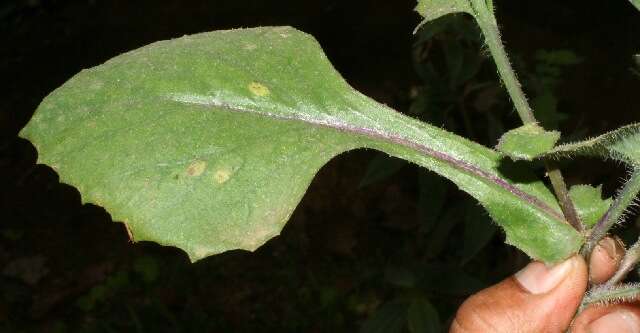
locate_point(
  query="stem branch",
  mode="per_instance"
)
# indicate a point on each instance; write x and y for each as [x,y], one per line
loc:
[560,189]
[615,212]
[489,27]
[492,38]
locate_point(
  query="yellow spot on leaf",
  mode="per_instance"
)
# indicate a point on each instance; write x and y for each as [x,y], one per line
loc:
[259,89]
[222,175]
[196,168]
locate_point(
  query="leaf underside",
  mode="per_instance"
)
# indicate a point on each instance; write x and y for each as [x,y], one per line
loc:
[209,141]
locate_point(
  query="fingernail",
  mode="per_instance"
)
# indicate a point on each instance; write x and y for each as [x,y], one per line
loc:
[537,278]
[621,321]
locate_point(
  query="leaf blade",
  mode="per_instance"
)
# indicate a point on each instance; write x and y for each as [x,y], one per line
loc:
[208,142]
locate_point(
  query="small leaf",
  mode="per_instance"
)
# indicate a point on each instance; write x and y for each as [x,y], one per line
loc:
[433,9]
[454,58]
[622,144]
[381,167]
[400,277]
[431,199]
[546,106]
[481,10]
[422,317]
[389,318]
[449,280]
[589,203]
[527,142]
[561,57]
[635,3]
[478,231]
[439,236]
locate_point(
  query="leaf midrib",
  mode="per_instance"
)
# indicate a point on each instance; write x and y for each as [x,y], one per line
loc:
[389,138]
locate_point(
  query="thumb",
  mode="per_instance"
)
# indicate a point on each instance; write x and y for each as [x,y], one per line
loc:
[536,299]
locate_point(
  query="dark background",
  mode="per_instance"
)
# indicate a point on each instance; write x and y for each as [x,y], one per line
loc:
[67,267]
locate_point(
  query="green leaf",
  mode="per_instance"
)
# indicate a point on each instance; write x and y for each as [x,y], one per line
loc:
[449,280]
[622,144]
[400,277]
[483,12]
[589,203]
[558,57]
[635,3]
[432,193]
[389,318]
[208,142]
[527,142]
[422,317]
[478,231]
[433,9]
[440,235]
[546,106]
[381,167]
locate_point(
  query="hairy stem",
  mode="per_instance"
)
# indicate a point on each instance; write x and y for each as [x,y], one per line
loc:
[492,37]
[560,189]
[611,294]
[615,212]
[491,32]
[631,258]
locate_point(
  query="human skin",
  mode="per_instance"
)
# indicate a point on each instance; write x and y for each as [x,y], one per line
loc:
[544,299]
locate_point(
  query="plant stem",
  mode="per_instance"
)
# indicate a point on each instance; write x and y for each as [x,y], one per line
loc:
[631,258]
[489,27]
[560,189]
[492,36]
[617,209]
[608,295]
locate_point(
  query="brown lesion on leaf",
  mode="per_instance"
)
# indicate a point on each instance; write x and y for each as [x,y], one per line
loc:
[221,176]
[196,168]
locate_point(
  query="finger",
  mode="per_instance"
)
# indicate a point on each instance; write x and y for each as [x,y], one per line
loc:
[619,318]
[605,259]
[536,299]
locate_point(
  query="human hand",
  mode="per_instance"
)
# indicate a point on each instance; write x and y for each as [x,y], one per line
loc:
[542,299]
